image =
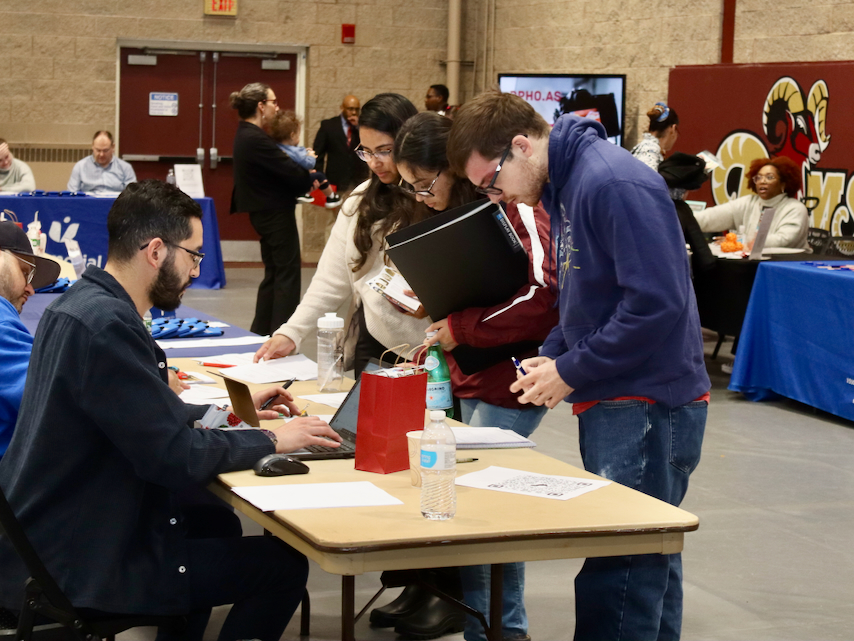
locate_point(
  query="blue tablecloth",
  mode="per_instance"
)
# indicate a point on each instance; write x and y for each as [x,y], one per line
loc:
[797,338]
[84,219]
[35,306]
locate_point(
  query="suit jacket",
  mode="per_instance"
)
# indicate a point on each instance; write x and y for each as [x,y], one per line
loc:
[265,177]
[339,161]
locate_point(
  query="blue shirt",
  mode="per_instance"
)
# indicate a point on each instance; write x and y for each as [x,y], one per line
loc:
[88,175]
[16,345]
[299,155]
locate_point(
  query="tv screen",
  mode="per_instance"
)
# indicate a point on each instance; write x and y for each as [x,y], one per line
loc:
[600,97]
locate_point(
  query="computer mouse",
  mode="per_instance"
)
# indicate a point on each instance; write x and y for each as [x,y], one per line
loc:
[279,465]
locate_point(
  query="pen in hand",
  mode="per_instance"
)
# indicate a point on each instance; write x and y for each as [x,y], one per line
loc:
[518,366]
[270,400]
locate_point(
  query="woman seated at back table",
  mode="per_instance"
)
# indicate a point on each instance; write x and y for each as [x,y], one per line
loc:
[775,181]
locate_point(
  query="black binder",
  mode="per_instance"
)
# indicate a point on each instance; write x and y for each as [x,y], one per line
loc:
[469,256]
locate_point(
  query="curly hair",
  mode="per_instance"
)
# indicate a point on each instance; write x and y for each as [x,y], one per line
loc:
[284,125]
[790,175]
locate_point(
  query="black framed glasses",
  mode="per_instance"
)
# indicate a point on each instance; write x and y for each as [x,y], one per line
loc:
[409,189]
[382,155]
[197,256]
[491,189]
[31,274]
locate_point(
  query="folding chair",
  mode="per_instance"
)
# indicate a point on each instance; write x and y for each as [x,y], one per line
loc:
[44,599]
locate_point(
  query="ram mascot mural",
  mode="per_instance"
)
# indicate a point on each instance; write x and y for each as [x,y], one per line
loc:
[794,124]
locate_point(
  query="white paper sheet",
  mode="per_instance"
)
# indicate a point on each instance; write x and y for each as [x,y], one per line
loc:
[316,495]
[199,395]
[502,479]
[333,399]
[298,366]
[486,438]
[235,358]
[172,343]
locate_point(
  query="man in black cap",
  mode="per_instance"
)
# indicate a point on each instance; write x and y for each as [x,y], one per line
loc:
[20,272]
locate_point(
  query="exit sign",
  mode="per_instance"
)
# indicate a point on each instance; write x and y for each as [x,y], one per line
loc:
[221,7]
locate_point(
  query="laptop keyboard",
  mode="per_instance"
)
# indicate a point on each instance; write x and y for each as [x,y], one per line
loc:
[346,446]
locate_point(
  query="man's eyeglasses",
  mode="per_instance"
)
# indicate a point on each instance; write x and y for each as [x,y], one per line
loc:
[31,274]
[409,189]
[491,189]
[366,155]
[764,178]
[197,256]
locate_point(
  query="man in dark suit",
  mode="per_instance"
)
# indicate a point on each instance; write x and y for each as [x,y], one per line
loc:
[335,145]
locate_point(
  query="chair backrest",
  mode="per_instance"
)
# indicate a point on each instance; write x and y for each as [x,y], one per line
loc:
[818,239]
[11,528]
[842,246]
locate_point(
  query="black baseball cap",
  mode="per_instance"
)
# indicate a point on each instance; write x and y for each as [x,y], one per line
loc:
[13,239]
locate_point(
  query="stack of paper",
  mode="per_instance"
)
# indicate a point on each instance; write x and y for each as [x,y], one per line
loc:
[298,366]
[489,438]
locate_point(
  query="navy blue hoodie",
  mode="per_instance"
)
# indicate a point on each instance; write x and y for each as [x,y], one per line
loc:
[628,316]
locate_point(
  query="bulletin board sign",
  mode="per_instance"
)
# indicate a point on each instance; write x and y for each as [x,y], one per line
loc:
[221,7]
[798,110]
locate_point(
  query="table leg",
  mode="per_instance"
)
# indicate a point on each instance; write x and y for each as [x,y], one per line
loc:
[348,607]
[496,601]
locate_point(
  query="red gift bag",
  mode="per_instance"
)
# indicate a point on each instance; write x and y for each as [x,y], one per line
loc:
[388,409]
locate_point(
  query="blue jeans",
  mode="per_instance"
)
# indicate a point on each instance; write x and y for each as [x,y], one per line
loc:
[475,578]
[651,448]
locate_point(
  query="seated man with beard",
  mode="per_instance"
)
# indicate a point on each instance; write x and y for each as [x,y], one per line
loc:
[103,445]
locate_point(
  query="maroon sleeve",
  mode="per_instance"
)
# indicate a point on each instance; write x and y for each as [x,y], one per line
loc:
[531,313]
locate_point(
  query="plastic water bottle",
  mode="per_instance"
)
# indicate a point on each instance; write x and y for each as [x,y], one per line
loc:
[170,177]
[438,469]
[439,394]
[330,353]
[146,318]
[34,233]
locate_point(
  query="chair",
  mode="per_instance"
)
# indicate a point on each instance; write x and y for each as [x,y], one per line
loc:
[44,599]
[842,246]
[818,239]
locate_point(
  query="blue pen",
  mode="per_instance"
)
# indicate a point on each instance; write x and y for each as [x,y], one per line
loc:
[518,366]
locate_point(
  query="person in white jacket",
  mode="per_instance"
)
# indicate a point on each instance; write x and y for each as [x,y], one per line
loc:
[354,253]
[776,182]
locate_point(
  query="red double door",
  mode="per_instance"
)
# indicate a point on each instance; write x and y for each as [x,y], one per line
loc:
[151,82]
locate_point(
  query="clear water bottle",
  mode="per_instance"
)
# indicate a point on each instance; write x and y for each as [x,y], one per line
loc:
[146,318]
[330,353]
[439,393]
[170,177]
[438,469]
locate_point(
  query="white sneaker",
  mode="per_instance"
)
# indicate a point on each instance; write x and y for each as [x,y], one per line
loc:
[306,198]
[333,201]
[726,368]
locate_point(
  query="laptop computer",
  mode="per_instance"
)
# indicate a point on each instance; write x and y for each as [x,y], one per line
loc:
[344,422]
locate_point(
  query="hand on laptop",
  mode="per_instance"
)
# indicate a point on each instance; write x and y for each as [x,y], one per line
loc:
[278,346]
[304,431]
[284,404]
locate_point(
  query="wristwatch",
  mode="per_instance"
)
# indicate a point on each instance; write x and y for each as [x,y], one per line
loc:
[271,436]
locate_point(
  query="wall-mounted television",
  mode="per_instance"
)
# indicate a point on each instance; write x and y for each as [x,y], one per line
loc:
[600,97]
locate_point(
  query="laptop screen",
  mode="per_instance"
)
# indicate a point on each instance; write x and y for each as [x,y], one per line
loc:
[347,415]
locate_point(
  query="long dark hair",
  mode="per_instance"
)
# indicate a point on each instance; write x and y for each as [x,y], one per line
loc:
[422,144]
[381,203]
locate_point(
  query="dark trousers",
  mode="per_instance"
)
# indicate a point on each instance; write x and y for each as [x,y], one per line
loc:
[279,292]
[264,579]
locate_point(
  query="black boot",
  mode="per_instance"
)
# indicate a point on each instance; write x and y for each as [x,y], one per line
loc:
[434,619]
[407,602]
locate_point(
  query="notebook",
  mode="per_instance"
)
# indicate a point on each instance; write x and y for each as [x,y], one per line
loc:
[343,422]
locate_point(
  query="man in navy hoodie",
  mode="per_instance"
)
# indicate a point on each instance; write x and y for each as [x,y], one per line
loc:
[627,353]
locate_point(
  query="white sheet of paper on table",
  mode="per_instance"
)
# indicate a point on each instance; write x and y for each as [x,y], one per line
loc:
[199,395]
[333,399]
[172,343]
[241,358]
[487,438]
[310,496]
[298,366]
[502,479]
